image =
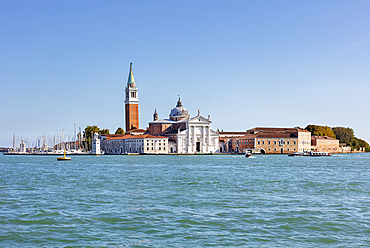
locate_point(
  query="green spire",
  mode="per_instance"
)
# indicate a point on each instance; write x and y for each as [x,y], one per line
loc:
[131,79]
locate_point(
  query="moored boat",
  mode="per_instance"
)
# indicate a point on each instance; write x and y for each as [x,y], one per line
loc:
[64,157]
[311,153]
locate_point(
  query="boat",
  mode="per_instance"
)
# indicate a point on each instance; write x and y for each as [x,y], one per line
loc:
[64,158]
[311,153]
[248,154]
[320,154]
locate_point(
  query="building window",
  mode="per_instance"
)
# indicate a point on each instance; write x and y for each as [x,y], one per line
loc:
[287,143]
[258,142]
[263,142]
[269,144]
[275,143]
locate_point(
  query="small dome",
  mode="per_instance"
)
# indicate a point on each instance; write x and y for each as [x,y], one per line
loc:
[179,112]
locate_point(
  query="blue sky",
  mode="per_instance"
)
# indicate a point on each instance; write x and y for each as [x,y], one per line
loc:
[245,63]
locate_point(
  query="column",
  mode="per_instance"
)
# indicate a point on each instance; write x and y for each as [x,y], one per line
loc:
[194,140]
[209,137]
[204,139]
[189,130]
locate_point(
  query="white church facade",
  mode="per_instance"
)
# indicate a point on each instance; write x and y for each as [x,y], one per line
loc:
[190,134]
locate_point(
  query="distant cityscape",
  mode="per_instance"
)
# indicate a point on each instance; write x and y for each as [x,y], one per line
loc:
[182,134]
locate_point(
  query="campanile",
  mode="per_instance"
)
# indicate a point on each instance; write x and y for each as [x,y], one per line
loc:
[131,103]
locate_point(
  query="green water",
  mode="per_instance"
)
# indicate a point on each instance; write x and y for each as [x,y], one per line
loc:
[185,201]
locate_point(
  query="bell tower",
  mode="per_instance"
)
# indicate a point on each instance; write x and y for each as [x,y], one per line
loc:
[131,103]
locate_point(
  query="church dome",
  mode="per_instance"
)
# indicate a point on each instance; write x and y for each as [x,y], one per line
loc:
[179,112]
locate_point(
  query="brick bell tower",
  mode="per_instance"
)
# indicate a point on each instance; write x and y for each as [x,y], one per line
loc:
[131,103]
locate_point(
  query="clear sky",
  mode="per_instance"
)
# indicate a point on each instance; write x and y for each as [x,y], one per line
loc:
[245,63]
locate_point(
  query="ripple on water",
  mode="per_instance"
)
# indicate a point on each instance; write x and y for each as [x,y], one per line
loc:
[182,201]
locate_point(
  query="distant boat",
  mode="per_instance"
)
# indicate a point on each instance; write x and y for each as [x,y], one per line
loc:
[248,154]
[64,158]
[314,154]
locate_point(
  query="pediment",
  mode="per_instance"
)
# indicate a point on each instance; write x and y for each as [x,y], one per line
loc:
[199,119]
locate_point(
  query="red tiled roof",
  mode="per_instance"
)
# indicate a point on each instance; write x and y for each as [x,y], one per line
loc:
[248,136]
[236,133]
[145,136]
[129,136]
[116,136]
[136,131]
[322,137]
[276,135]
[113,135]
[276,129]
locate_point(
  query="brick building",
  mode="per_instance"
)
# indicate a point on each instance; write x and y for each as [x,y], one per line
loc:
[131,103]
[272,140]
[325,144]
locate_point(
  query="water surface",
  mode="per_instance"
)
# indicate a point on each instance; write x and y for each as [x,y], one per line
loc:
[185,201]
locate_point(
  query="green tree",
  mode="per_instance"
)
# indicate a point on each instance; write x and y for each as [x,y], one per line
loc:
[104,131]
[320,131]
[344,134]
[357,143]
[347,135]
[89,131]
[120,131]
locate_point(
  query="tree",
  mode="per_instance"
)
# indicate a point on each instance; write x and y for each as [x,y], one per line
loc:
[320,131]
[89,131]
[104,131]
[344,134]
[120,131]
[347,135]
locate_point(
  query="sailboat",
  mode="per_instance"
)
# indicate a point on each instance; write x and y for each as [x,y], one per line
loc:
[64,158]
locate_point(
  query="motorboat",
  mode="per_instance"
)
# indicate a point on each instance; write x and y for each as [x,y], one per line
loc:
[311,153]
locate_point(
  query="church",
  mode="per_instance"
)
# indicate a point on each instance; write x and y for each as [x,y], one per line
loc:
[180,133]
[188,134]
